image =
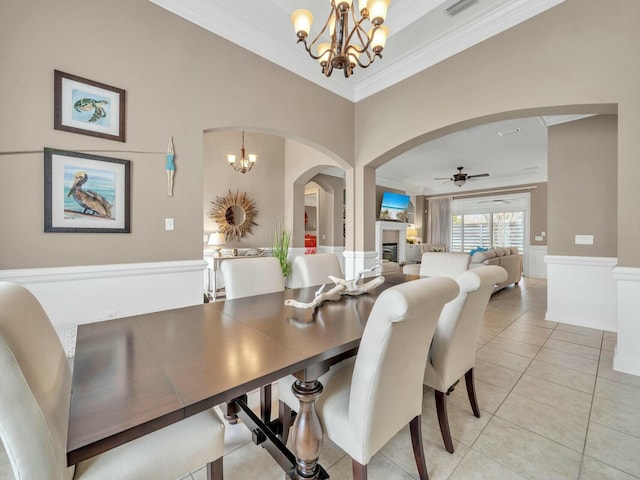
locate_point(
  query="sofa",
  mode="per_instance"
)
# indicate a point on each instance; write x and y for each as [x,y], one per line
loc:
[508,258]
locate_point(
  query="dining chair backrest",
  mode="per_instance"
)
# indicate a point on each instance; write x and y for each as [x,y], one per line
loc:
[386,386]
[315,269]
[35,388]
[444,264]
[246,277]
[453,349]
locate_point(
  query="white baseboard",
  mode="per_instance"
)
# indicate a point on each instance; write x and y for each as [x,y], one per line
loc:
[536,267]
[582,291]
[627,354]
[76,295]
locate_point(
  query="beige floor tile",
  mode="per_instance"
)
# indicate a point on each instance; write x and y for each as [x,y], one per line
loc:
[573,349]
[250,461]
[524,337]
[567,360]
[512,346]
[489,396]
[521,326]
[554,395]
[550,422]
[478,467]
[495,374]
[586,340]
[594,470]
[606,371]
[564,376]
[585,331]
[609,344]
[613,448]
[464,426]
[616,406]
[504,359]
[527,453]
[536,319]
[440,463]
[490,330]
[483,339]
[379,468]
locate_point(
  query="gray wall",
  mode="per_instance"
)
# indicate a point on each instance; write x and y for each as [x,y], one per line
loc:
[264,183]
[180,80]
[583,187]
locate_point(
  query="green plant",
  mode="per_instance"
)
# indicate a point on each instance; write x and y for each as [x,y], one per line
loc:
[280,246]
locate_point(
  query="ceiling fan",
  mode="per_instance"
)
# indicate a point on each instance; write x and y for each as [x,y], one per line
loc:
[460,178]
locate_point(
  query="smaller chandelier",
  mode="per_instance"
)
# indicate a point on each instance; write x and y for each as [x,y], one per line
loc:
[348,48]
[244,164]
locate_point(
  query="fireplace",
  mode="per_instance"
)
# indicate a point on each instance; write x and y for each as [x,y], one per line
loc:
[390,251]
[391,233]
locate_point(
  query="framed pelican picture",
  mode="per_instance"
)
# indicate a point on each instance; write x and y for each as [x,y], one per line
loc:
[85,193]
[87,107]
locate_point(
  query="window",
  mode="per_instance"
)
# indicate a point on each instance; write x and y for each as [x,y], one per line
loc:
[477,225]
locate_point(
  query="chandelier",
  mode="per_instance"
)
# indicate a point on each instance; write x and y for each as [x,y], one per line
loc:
[348,47]
[244,164]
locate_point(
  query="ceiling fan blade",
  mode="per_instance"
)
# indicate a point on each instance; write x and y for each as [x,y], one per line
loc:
[443,178]
[478,175]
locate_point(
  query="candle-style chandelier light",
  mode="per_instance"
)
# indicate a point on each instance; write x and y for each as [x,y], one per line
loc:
[244,164]
[350,46]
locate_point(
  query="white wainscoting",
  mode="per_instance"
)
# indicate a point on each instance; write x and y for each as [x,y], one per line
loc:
[76,295]
[356,262]
[536,267]
[627,355]
[582,291]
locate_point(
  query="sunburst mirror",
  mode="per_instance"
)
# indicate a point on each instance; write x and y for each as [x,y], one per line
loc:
[234,213]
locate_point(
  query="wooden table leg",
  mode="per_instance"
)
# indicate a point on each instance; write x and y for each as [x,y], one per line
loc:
[306,433]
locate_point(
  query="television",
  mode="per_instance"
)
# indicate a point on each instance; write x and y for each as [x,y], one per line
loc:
[395,207]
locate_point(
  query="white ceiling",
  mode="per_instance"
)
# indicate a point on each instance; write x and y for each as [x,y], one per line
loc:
[421,35]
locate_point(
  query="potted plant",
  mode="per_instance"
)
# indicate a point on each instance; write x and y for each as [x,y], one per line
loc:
[280,247]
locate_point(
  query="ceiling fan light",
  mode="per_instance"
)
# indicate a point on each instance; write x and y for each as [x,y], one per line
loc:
[459,183]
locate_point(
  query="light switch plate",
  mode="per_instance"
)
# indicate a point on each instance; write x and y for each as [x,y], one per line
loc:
[539,238]
[168,223]
[584,239]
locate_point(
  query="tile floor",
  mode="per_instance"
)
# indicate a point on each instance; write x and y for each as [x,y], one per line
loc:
[552,408]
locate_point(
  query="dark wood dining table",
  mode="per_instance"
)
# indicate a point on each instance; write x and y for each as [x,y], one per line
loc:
[137,374]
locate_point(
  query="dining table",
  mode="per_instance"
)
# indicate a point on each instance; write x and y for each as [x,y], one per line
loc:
[138,374]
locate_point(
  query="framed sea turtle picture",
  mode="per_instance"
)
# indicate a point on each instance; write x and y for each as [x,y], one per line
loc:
[85,193]
[88,107]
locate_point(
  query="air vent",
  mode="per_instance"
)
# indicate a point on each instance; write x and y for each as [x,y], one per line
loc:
[459,6]
[510,132]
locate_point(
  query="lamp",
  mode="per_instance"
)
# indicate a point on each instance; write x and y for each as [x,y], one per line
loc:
[346,48]
[412,233]
[217,240]
[244,164]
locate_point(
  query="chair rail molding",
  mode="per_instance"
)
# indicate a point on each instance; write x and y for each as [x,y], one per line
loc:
[84,294]
[627,352]
[582,291]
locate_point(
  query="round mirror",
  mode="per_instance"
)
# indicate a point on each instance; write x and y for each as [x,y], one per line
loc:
[234,214]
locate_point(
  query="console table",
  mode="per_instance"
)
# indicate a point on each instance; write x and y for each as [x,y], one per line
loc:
[213,290]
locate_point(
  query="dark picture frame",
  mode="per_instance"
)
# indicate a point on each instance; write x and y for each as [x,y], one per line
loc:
[88,107]
[86,193]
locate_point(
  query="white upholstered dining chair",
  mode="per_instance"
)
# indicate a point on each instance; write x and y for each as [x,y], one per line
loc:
[440,264]
[35,393]
[246,277]
[453,349]
[315,269]
[369,398]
